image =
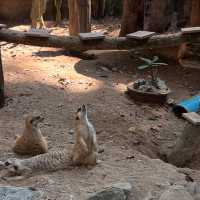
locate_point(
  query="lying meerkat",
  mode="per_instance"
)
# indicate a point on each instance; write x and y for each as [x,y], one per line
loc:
[31,142]
[16,169]
[85,148]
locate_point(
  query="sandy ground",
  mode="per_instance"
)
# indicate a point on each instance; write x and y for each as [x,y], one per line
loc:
[50,81]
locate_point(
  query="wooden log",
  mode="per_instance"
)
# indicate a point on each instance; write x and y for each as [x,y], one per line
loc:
[109,43]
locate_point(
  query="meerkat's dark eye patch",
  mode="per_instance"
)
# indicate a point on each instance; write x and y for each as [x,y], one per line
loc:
[15,167]
[77,118]
[79,110]
[31,121]
[84,110]
[7,163]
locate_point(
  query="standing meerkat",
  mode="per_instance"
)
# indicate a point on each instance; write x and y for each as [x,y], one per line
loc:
[85,148]
[31,142]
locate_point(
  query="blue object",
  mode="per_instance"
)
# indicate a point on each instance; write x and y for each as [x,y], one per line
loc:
[188,105]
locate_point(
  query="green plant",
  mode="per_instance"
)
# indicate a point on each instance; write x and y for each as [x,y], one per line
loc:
[152,65]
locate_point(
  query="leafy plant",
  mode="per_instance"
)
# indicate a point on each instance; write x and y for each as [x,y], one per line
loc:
[153,66]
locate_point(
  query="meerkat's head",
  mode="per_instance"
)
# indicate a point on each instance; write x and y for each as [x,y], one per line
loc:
[13,167]
[33,121]
[81,113]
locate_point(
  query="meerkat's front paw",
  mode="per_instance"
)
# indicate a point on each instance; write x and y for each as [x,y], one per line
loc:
[99,162]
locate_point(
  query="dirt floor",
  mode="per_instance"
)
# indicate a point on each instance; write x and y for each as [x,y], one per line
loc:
[54,83]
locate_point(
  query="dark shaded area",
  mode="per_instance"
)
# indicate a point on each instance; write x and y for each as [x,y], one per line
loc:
[51,53]
[2,100]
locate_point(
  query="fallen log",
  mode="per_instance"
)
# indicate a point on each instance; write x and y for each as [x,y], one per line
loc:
[109,43]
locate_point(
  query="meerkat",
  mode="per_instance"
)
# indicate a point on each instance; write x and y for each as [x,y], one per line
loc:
[85,147]
[16,169]
[84,153]
[31,142]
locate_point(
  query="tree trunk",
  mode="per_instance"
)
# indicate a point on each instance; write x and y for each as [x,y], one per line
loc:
[84,7]
[79,16]
[195,13]
[73,18]
[98,8]
[37,11]
[2,99]
[157,15]
[113,7]
[132,17]
[102,4]
[58,4]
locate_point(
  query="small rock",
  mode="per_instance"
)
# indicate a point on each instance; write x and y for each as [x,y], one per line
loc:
[155,129]
[104,76]
[176,192]
[193,188]
[170,101]
[118,191]
[101,150]
[47,124]
[60,105]
[25,94]
[71,132]
[130,157]
[152,118]
[15,193]
[63,66]
[136,130]
[132,130]
[105,69]
[64,82]
[114,69]
[126,187]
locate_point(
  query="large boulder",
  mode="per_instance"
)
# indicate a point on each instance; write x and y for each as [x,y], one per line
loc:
[19,193]
[185,146]
[176,192]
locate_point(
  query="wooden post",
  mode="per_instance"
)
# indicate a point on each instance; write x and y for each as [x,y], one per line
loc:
[58,5]
[98,8]
[195,13]
[79,16]
[132,16]
[158,15]
[37,10]
[2,99]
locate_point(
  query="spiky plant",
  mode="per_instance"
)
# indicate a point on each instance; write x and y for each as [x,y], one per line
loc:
[152,65]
